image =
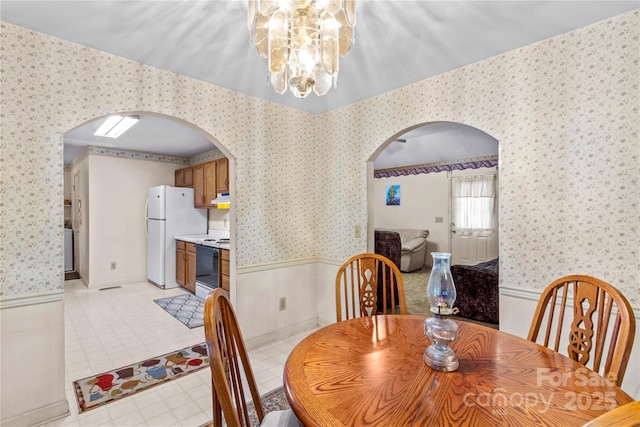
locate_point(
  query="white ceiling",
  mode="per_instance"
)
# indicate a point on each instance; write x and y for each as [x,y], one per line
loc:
[397,42]
[152,134]
[437,142]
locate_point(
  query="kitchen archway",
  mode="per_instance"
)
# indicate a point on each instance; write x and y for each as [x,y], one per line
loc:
[120,170]
[113,185]
[421,162]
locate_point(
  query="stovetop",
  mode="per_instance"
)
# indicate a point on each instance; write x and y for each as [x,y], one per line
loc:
[214,239]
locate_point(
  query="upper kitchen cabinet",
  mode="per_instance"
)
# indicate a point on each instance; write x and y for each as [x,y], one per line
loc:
[209,179]
[184,177]
[204,184]
[222,175]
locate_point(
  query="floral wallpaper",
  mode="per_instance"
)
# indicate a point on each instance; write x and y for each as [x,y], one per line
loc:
[564,111]
[50,86]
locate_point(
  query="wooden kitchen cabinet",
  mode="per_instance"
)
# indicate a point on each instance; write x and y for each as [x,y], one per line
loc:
[222,175]
[204,184]
[224,269]
[209,179]
[186,265]
[184,177]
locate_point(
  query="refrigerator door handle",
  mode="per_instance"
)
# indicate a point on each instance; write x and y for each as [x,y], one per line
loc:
[146,218]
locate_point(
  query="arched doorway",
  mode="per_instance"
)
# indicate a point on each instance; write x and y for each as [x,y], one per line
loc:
[117,322]
[419,164]
[107,178]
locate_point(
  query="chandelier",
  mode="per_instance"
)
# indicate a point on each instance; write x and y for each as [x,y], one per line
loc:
[302,40]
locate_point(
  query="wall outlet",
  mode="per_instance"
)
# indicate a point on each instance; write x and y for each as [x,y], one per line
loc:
[283,304]
[439,219]
[357,232]
[113,265]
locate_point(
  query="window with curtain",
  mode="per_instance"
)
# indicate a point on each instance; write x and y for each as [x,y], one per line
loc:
[474,203]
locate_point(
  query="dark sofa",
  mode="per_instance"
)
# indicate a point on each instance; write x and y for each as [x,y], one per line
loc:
[477,291]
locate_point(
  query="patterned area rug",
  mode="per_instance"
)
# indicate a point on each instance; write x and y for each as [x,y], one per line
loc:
[275,400]
[98,390]
[187,308]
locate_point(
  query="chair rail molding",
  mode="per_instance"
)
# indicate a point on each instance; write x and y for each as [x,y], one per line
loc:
[289,263]
[12,301]
[534,295]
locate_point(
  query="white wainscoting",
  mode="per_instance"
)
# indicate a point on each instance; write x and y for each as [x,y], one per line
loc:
[32,352]
[307,285]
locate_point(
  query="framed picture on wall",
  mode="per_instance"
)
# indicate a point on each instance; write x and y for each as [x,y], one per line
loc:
[393,195]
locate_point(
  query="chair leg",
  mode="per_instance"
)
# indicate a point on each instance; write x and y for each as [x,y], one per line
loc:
[217,409]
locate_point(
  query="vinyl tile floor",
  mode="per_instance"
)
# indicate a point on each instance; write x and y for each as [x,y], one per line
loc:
[107,329]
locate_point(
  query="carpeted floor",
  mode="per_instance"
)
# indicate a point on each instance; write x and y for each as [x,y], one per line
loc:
[187,308]
[415,294]
[106,387]
[275,400]
[415,291]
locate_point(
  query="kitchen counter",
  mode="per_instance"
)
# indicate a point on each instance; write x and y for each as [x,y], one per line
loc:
[193,238]
[206,239]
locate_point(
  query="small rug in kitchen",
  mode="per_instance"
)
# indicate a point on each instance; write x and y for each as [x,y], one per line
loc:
[98,390]
[187,308]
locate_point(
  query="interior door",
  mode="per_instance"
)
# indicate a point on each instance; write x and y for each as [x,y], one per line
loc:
[469,247]
[76,219]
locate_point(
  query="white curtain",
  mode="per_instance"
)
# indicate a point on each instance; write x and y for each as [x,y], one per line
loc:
[474,203]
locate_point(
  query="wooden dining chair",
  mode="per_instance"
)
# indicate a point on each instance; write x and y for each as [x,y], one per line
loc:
[369,284]
[591,331]
[623,416]
[231,373]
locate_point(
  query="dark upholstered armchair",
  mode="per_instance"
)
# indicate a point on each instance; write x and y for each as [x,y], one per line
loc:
[387,243]
[477,291]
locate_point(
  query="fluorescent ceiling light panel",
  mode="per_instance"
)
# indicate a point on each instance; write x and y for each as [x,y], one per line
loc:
[114,126]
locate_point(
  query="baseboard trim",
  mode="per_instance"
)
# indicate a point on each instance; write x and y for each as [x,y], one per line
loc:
[534,295]
[12,301]
[282,333]
[40,416]
[114,284]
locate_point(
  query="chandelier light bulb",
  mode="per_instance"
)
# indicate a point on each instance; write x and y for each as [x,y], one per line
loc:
[302,41]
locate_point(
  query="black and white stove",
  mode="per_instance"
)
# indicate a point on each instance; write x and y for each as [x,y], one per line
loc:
[208,261]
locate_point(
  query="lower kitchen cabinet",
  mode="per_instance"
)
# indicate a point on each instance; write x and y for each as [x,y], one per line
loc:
[186,265]
[224,269]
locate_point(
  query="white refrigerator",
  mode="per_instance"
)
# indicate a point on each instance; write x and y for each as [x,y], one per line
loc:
[170,213]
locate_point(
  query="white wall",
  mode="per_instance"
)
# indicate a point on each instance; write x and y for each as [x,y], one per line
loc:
[257,294]
[67,193]
[423,197]
[23,363]
[219,219]
[118,192]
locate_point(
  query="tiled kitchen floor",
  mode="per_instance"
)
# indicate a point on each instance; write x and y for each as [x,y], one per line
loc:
[111,328]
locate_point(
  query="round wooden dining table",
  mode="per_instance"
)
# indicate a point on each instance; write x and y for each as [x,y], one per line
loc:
[369,371]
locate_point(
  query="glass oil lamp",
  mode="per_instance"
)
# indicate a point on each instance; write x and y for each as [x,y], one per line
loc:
[441,330]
